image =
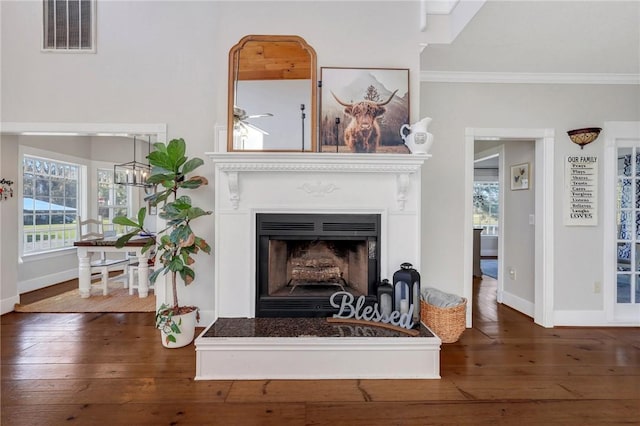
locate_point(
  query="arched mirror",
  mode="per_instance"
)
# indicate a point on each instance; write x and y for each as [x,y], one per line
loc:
[272,94]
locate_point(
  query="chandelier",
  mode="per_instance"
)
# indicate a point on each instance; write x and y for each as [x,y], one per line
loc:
[133,173]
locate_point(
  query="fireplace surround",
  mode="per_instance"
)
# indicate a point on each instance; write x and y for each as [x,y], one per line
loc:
[248,185]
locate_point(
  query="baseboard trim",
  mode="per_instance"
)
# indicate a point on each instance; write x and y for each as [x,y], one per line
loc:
[518,303]
[7,305]
[587,319]
[47,280]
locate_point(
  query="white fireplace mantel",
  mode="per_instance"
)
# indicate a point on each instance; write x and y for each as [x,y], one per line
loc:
[234,163]
[248,183]
[251,183]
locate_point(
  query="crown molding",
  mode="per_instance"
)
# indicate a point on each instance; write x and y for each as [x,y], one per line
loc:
[528,78]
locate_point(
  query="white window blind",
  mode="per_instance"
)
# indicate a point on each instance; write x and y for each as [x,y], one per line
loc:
[69,25]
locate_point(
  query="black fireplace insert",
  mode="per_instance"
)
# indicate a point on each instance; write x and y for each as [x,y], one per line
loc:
[304,258]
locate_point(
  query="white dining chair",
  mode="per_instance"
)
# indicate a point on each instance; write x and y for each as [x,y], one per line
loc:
[92,229]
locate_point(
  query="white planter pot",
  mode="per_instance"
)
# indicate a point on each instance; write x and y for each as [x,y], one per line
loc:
[186,323]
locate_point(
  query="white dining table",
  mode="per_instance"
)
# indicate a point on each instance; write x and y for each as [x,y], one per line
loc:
[88,247]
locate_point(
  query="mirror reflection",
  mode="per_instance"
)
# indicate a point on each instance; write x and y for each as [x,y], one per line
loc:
[272,94]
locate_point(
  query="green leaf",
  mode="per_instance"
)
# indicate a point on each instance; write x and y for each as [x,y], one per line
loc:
[187,274]
[191,165]
[175,328]
[190,184]
[175,153]
[159,177]
[155,274]
[176,264]
[160,159]
[195,212]
[179,234]
[171,338]
[120,242]
[202,244]
[141,214]
[125,221]
[159,146]
[182,203]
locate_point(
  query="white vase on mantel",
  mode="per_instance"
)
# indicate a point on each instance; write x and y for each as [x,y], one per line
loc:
[418,140]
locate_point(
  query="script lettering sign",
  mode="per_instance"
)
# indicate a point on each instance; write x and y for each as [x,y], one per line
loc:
[344,301]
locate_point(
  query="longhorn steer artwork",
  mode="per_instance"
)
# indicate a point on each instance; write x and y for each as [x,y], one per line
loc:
[363,132]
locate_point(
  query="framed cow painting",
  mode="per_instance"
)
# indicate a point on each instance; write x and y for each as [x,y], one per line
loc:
[363,109]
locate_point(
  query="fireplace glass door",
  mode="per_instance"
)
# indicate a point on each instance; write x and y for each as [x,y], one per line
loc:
[303,259]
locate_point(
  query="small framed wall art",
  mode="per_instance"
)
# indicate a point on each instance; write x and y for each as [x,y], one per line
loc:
[519,176]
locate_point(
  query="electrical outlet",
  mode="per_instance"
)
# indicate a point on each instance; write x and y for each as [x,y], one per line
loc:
[512,273]
[597,287]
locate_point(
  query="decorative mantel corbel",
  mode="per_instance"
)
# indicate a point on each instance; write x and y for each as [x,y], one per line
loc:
[402,181]
[234,189]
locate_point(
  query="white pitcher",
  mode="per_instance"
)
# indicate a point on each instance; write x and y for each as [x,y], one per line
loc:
[418,140]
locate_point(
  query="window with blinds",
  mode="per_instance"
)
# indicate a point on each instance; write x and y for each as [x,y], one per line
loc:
[69,25]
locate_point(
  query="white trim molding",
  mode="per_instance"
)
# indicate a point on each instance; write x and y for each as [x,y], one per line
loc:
[517,303]
[617,133]
[233,163]
[8,305]
[544,178]
[527,78]
[588,319]
[46,280]
[84,129]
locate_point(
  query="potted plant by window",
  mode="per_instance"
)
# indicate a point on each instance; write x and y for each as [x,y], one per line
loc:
[176,245]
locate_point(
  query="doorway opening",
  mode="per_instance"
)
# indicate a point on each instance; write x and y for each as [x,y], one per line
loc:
[539,305]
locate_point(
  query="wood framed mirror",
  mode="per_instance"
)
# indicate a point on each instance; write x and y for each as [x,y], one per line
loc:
[272,95]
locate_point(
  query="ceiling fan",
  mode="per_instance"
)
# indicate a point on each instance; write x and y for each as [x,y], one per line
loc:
[241,124]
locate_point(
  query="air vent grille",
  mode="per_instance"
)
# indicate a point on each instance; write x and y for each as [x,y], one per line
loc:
[287,226]
[348,227]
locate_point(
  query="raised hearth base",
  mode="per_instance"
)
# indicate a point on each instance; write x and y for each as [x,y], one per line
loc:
[311,348]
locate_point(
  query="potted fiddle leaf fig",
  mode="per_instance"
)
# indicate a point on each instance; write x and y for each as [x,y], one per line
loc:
[176,244]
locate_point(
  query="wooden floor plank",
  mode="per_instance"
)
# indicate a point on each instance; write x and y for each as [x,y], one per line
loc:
[111,369]
[271,414]
[474,413]
[295,391]
[116,391]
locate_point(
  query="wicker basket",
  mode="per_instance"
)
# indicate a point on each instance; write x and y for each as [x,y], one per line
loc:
[447,323]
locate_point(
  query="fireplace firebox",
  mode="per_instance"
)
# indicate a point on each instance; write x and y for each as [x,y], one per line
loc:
[304,258]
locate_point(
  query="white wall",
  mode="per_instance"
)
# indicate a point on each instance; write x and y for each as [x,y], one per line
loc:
[518,233]
[456,106]
[9,226]
[166,62]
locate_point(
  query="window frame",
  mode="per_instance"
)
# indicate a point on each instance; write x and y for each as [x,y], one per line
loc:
[83,185]
[98,166]
[43,29]
[496,227]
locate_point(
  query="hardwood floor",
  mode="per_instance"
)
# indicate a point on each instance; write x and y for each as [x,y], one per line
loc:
[111,369]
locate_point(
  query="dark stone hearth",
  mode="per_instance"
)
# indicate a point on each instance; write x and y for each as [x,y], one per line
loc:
[297,327]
